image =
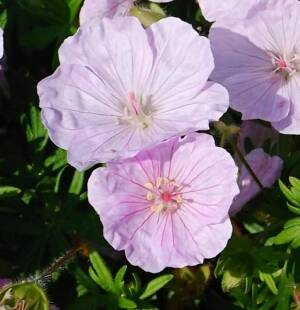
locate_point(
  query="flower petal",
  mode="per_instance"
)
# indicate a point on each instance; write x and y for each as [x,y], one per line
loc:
[117,50]
[156,233]
[121,89]
[291,124]
[187,70]
[267,169]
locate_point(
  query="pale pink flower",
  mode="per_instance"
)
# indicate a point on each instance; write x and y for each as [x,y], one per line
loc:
[267,169]
[214,10]
[121,88]
[258,60]
[168,206]
[107,8]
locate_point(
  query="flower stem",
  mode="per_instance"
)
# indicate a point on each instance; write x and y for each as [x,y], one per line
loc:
[59,263]
[227,132]
[246,164]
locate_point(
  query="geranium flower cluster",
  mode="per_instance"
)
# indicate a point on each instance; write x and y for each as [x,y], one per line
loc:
[134,98]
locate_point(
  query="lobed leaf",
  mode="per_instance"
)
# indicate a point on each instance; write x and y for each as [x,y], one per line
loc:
[100,273]
[155,285]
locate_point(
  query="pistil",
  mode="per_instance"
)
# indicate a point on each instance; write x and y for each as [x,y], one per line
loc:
[135,113]
[163,195]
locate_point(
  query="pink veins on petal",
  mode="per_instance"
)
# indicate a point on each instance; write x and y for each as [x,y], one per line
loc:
[167,206]
[130,89]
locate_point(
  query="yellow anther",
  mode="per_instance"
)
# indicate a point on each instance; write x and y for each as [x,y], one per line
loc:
[178,199]
[149,196]
[159,182]
[148,185]
[158,208]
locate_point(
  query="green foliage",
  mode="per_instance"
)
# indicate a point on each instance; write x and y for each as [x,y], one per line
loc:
[155,285]
[261,272]
[44,210]
[9,191]
[130,295]
[289,235]
[100,273]
[254,275]
[292,194]
[35,132]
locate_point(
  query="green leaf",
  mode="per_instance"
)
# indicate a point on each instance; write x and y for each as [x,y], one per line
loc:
[293,222]
[58,179]
[96,279]
[77,183]
[3,19]
[253,227]
[295,183]
[284,289]
[289,234]
[85,284]
[137,283]
[119,278]
[57,160]
[287,193]
[293,209]
[74,6]
[9,191]
[36,133]
[125,303]
[235,263]
[293,194]
[100,273]
[155,285]
[268,279]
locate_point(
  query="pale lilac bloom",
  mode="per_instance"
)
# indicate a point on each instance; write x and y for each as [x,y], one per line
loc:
[107,8]
[258,134]
[167,206]
[267,169]
[214,10]
[121,88]
[258,60]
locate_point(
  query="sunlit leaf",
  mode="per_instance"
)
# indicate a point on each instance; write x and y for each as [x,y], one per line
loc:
[9,191]
[101,273]
[155,285]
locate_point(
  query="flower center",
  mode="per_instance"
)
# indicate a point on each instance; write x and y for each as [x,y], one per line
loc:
[136,113]
[287,66]
[163,195]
